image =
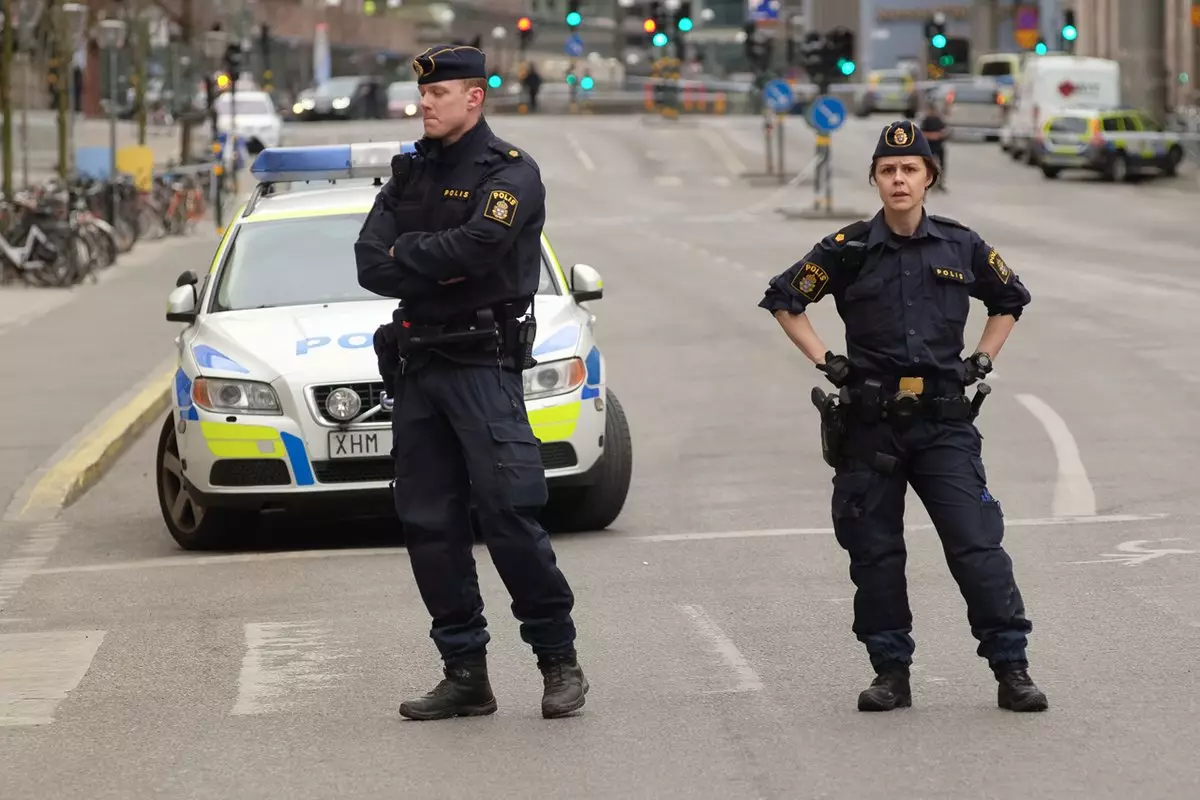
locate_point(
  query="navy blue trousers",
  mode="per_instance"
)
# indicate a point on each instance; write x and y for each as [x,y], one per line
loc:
[942,462]
[462,439]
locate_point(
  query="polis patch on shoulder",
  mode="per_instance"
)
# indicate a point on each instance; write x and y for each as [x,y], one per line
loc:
[810,281]
[997,264]
[501,207]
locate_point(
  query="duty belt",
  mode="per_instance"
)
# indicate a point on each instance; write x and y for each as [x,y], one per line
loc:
[875,399]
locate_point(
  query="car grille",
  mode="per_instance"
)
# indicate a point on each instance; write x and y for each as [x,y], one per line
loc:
[368,393]
[250,472]
[555,455]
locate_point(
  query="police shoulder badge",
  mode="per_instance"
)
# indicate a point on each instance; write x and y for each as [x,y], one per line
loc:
[809,281]
[501,207]
[997,264]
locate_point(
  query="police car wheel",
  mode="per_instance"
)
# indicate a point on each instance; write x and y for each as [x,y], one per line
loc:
[596,506]
[1051,172]
[1118,168]
[191,525]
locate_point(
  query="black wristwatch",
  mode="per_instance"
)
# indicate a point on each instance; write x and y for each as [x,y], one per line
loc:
[983,362]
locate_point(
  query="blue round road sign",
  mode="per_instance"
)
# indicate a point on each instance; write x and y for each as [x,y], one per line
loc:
[779,96]
[826,114]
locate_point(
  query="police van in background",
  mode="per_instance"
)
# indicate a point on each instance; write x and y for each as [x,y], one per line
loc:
[1051,84]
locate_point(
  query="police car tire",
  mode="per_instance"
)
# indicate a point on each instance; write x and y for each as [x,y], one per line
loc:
[596,506]
[218,527]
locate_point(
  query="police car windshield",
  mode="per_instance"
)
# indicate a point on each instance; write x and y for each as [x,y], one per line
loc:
[301,261]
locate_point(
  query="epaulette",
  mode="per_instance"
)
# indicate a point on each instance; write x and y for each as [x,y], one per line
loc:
[852,232]
[947,221]
[505,149]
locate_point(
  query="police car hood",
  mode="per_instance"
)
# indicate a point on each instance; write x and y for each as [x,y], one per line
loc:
[313,343]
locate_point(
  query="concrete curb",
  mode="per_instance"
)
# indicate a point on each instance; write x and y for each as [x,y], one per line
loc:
[81,463]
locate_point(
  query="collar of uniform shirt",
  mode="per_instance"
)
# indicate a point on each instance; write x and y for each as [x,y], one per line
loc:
[434,150]
[880,232]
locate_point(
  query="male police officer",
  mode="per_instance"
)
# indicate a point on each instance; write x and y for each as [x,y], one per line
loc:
[902,283]
[456,235]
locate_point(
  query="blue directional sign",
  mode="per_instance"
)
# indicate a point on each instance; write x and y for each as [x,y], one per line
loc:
[574,46]
[762,9]
[779,96]
[826,114]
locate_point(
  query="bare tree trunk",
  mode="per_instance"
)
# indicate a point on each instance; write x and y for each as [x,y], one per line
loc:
[62,63]
[140,28]
[6,106]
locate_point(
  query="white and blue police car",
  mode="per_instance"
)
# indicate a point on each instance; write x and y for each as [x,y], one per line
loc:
[276,401]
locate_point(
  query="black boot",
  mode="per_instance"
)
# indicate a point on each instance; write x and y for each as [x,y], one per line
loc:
[889,690]
[465,692]
[565,684]
[1017,691]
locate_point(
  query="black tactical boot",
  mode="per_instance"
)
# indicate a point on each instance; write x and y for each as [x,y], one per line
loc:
[1017,691]
[565,684]
[465,692]
[889,690]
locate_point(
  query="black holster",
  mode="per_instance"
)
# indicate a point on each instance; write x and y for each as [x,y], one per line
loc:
[387,353]
[833,425]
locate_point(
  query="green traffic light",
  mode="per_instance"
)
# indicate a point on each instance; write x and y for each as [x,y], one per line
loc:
[571,78]
[1041,48]
[495,81]
[939,41]
[587,83]
[574,18]
[1070,33]
[685,24]
[946,61]
[847,67]
[660,39]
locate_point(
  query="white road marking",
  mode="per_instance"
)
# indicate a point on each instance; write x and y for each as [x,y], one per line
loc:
[583,157]
[31,556]
[724,152]
[1037,522]
[1133,554]
[39,670]
[372,552]
[282,658]
[1073,493]
[747,678]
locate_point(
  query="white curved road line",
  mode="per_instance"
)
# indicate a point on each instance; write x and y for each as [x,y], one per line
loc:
[1073,493]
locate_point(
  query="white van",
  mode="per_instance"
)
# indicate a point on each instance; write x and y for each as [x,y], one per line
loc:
[1049,84]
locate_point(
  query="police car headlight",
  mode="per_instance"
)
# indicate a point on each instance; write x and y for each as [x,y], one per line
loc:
[343,404]
[554,377]
[237,397]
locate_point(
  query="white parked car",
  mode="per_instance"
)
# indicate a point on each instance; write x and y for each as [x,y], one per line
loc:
[254,117]
[277,393]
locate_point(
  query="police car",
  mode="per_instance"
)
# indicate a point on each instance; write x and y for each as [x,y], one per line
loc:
[277,396]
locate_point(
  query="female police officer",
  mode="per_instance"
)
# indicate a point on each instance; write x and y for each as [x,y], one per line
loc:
[902,283]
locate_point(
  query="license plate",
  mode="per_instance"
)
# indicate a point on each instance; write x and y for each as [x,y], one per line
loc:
[357,444]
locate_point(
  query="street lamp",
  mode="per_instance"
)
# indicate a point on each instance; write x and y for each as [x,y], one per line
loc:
[214,48]
[110,35]
[75,16]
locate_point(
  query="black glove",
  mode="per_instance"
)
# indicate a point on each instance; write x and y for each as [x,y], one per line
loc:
[978,367]
[836,369]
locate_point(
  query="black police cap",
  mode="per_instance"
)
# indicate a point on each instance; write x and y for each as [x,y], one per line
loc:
[902,138]
[449,62]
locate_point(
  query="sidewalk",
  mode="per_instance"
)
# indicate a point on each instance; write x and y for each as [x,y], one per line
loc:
[68,354]
[43,141]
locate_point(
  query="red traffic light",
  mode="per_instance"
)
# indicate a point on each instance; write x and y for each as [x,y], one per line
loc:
[524,24]
[649,26]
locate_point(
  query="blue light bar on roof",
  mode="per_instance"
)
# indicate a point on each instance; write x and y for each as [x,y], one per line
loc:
[328,162]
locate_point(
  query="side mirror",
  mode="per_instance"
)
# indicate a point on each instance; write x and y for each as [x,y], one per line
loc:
[586,283]
[181,304]
[186,278]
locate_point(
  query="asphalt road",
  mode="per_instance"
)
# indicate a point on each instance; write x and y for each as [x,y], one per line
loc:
[714,615]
